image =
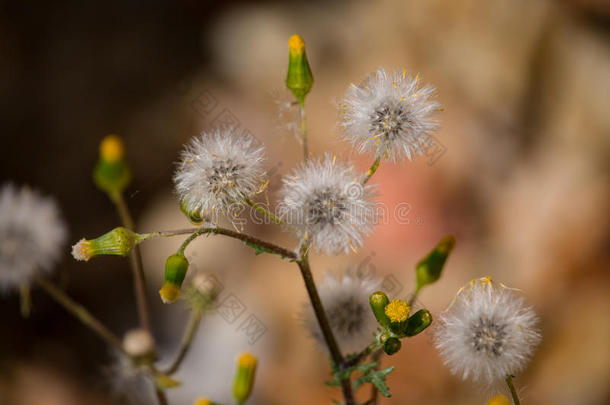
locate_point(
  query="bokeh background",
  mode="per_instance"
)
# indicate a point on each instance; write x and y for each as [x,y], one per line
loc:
[522,181]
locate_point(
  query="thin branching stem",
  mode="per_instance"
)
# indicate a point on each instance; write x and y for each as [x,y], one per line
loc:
[187,340]
[513,391]
[303,120]
[135,261]
[263,211]
[161,397]
[372,170]
[79,312]
[227,232]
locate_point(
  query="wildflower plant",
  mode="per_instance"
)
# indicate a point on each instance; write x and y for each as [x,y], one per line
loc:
[487,334]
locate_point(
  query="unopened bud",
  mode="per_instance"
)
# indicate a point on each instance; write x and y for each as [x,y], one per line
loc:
[429,269]
[391,346]
[418,322]
[299,78]
[498,400]
[111,173]
[175,270]
[244,377]
[378,301]
[203,401]
[138,343]
[117,242]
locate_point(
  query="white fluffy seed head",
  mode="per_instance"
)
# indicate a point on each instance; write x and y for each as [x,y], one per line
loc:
[325,204]
[389,113]
[346,301]
[32,235]
[219,169]
[130,380]
[138,342]
[487,332]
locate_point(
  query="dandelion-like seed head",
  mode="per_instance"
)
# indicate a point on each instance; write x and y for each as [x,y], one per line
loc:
[219,169]
[487,333]
[325,204]
[130,380]
[390,113]
[345,300]
[32,234]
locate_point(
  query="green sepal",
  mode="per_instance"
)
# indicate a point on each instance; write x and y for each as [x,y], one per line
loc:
[111,177]
[418,322]
[378,301]
[176,267]
[117,242]
[429,269]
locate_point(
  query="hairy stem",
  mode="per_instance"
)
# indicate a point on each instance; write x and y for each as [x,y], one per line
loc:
[187,340]
[135,261]
[303,130]
[372,170]
[513,391]
[263,211]
[79,312]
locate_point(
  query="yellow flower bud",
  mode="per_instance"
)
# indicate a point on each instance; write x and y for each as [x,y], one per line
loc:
[244,377]
[175,270]
[111,173]
[299,78]
[498,400]
[202,401]
[117,242]
[111,148]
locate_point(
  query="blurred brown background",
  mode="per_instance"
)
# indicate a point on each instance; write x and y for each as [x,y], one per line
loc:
[522,182]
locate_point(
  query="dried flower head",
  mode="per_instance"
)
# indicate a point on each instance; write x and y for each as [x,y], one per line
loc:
[487,332]
[32,235]
[390,113]
[219,169]
[346,302]
[325,203]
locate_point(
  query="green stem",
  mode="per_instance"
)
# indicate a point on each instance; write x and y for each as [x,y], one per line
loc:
[232,234]
[161,397]
[513,391]
[413,297]
[135,261]
[187,340]
[361,356]
[327,332]
[303,130]
[79,312]
[263,211]
[374,393]
[372,170]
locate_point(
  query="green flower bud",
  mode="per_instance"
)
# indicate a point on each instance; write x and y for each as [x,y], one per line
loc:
[378,301]
[117,242]
[418,322]
[429,269]
[391,346]
[111,174]
[299,78]
[175,270]
[244,377]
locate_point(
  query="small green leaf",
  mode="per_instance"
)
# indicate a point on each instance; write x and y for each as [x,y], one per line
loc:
[377,378]
[261,249]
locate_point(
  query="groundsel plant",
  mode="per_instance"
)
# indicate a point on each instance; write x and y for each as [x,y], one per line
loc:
[487,333]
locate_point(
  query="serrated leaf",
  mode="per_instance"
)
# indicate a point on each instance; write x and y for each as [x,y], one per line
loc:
[377,378]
